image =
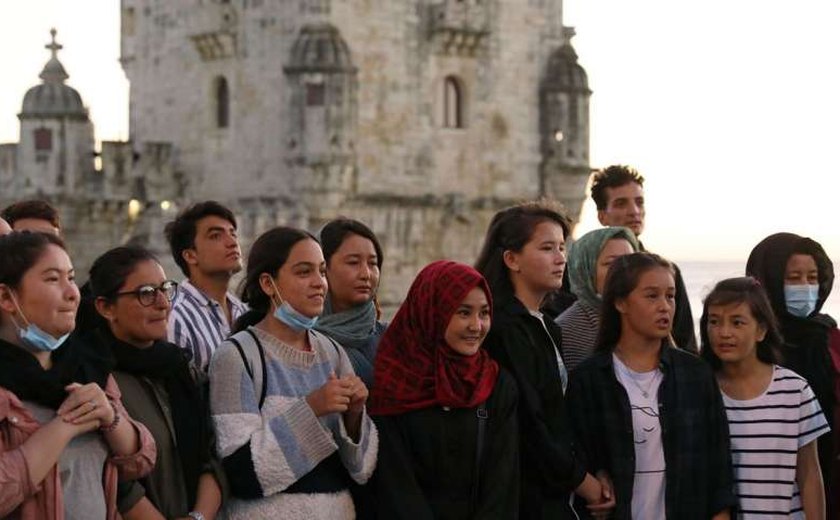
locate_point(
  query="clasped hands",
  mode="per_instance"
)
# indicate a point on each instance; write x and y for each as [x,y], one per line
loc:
[339,395]
[86,406]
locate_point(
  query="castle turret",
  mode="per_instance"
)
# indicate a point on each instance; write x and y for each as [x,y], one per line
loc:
[56,136]
[564,128]
[322,106]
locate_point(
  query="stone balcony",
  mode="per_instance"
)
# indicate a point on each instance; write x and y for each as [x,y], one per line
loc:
[213,29]
[459,26]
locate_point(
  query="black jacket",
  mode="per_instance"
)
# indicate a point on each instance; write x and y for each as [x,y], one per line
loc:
[806,348]
[550,464]
[695,433]
[426,466]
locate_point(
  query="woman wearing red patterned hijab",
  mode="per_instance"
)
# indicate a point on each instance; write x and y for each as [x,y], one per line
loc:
[446,413]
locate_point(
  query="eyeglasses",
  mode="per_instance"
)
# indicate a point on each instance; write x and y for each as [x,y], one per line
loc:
[147,294]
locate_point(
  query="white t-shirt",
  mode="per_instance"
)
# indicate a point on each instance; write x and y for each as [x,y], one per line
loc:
[765,436]
[649,481]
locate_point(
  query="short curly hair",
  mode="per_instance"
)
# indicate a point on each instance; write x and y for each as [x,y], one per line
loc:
[612,177]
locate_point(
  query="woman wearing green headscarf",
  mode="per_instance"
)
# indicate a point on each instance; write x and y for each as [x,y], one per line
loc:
[589,260]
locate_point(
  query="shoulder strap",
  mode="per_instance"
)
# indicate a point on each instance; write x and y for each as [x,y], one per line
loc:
[334,344]
[263,364]
[242,355]
[337,347]
[248,365]
[481,413]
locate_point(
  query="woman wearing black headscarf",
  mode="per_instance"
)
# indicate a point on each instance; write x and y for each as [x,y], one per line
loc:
[798,275]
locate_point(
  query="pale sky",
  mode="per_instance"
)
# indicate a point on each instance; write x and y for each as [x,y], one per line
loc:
[729,108]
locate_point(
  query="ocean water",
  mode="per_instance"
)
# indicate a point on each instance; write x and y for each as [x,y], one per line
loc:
[701,277]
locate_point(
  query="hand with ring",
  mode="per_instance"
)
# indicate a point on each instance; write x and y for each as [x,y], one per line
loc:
[86,403]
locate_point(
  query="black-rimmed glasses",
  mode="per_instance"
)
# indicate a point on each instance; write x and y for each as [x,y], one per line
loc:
[147,294]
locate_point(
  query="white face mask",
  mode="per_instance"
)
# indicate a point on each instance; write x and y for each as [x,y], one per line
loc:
[801,300]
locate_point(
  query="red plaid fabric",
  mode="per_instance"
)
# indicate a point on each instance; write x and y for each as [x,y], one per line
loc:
[414,367]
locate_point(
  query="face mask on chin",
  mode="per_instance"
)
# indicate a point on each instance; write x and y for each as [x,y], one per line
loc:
[294,319]
[801,300]
[34,337]
[290,316]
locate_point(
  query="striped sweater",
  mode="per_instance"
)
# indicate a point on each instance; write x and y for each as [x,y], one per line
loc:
[267,451]
[579,325]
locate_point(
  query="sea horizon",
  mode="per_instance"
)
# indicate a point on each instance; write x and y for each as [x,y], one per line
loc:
[701,276]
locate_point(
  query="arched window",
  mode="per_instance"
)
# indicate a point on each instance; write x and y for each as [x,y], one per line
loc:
[222,99]
[453,103]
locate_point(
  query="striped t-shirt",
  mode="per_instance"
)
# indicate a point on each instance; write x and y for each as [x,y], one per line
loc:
[766,434]
[198,323]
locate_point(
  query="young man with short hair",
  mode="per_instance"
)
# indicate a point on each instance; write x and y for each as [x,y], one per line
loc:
[33,215]
[204,244]
[618,192]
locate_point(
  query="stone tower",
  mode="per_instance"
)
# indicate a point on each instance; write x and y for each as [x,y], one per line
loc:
[420,117]
[564,127]
[55,154]
[123,200]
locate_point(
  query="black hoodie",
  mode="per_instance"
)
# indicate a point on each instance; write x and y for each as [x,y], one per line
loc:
[806,339]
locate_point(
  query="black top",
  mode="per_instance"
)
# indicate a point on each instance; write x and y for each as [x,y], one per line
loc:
[806,339]
[683,330]
[695,433]
[806,348]
[426,465]
[551,466]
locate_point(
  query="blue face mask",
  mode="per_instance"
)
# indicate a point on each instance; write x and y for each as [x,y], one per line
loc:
[801,300]
[291,317]
[40,340]
[34,337]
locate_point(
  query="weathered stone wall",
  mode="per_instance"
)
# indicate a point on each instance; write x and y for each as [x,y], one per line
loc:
[368,141]
[429,191]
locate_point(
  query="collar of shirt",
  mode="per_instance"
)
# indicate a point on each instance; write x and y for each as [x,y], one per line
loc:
[604,359]
[193,292]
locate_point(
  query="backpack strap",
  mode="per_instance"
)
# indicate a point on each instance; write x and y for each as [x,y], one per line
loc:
[244,357]
[481,414]
[337,347]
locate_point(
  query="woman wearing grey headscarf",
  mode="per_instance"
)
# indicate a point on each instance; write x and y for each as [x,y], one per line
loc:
[589,260]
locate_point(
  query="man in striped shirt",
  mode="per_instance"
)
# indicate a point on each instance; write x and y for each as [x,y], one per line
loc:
[204,244]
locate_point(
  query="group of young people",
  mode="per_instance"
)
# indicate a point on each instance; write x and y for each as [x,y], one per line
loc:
[496,391]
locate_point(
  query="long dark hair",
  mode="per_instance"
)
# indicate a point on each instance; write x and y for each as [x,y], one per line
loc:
[107,275]
[733,291]
[19,251]
[510,230]
[622,278]
[336,231]
[268,254]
